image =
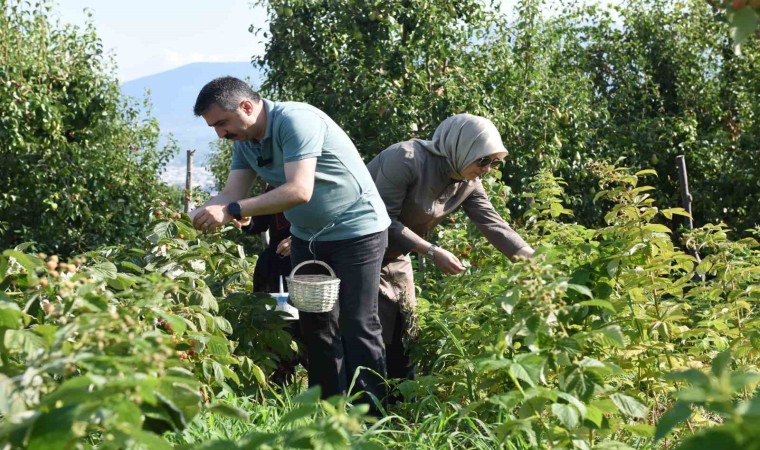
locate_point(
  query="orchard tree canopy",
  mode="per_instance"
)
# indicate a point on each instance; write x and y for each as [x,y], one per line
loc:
[79,166]
[635,84]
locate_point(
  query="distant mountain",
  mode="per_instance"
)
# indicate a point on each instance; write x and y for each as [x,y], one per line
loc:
[172,94]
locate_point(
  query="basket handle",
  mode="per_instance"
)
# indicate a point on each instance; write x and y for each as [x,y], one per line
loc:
[312,261]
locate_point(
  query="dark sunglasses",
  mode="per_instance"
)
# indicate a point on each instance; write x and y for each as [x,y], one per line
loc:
[486,161]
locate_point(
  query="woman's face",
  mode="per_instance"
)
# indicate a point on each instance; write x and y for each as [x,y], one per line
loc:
[481,166]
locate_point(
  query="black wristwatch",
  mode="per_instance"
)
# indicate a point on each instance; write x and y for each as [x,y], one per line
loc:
[234,210]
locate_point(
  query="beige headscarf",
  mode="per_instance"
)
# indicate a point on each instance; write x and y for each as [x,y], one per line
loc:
[464,138]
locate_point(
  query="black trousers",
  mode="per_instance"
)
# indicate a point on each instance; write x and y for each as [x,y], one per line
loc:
[349,337]
[399,365]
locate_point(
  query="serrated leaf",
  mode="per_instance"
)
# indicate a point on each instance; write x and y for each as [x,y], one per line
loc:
[103,271]
[580,289]
[669,212]
[10,316]
[611,335]
[122,281]
[656,228]
[629,406]
[567,415]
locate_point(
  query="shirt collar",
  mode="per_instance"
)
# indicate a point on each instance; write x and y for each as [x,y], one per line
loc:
[268,110]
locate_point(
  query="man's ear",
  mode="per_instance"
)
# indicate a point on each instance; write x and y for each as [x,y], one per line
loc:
[247,106]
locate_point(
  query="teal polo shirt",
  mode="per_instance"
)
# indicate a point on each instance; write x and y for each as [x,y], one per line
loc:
[344,193]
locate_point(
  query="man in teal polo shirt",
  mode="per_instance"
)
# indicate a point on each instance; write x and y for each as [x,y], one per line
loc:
[327,194]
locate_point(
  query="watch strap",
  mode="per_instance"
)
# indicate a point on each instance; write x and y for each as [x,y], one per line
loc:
[430,252]
[234,210]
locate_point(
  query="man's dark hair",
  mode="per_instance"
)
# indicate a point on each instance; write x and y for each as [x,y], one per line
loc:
[227,92]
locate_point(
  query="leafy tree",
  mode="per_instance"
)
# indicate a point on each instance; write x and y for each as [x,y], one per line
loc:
[218,162]
[80,167]
[640,82]
[380,69]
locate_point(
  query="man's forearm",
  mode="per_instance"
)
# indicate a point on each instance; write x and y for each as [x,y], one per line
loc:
[277,200]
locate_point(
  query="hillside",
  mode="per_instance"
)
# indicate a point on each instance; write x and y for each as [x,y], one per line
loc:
[172,94]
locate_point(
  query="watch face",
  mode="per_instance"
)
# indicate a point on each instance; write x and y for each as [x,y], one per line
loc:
[234,210]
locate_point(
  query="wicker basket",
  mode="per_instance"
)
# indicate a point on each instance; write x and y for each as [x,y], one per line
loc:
[313,293]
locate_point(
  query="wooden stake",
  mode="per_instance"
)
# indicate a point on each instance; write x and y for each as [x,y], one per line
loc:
[189,180]
[686,201]
[685,194]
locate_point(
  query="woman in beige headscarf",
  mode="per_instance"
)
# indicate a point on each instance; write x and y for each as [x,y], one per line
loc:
[421,183]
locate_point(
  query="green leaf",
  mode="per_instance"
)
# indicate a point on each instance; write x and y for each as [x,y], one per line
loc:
[103,271]
[299,413]
[162,230]
[28,262]
[127,411]
[641,429]
[24,341]
[132,267]
[713,439]
[611,335]
[490,364]
[53,430]
[680,412]
[149,440]
[218,346]
[10,316]
[223,324]
[308,397]
[599,303]
[594,415]
[528,367]
[612,445]
[721,363]
[691,376]
[656,228]
[668,212]
[743,24]
[181,398]
[581,289]
[122,281]
[629,406]
[567,415]
[573,401]
[258,439]
[227,410]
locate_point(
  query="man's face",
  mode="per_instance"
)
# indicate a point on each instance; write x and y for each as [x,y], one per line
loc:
[232,125]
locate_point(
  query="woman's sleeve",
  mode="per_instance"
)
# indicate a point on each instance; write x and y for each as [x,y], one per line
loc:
[482,213]
[395,176]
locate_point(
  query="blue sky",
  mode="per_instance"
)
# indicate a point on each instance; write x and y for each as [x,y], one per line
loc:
[152,36]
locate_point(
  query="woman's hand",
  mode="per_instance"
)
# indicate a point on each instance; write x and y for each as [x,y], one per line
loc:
[447,262]
[524,253]
[283,248]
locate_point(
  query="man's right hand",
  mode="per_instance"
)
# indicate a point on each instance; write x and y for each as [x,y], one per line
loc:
[447,262]
[211,217]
